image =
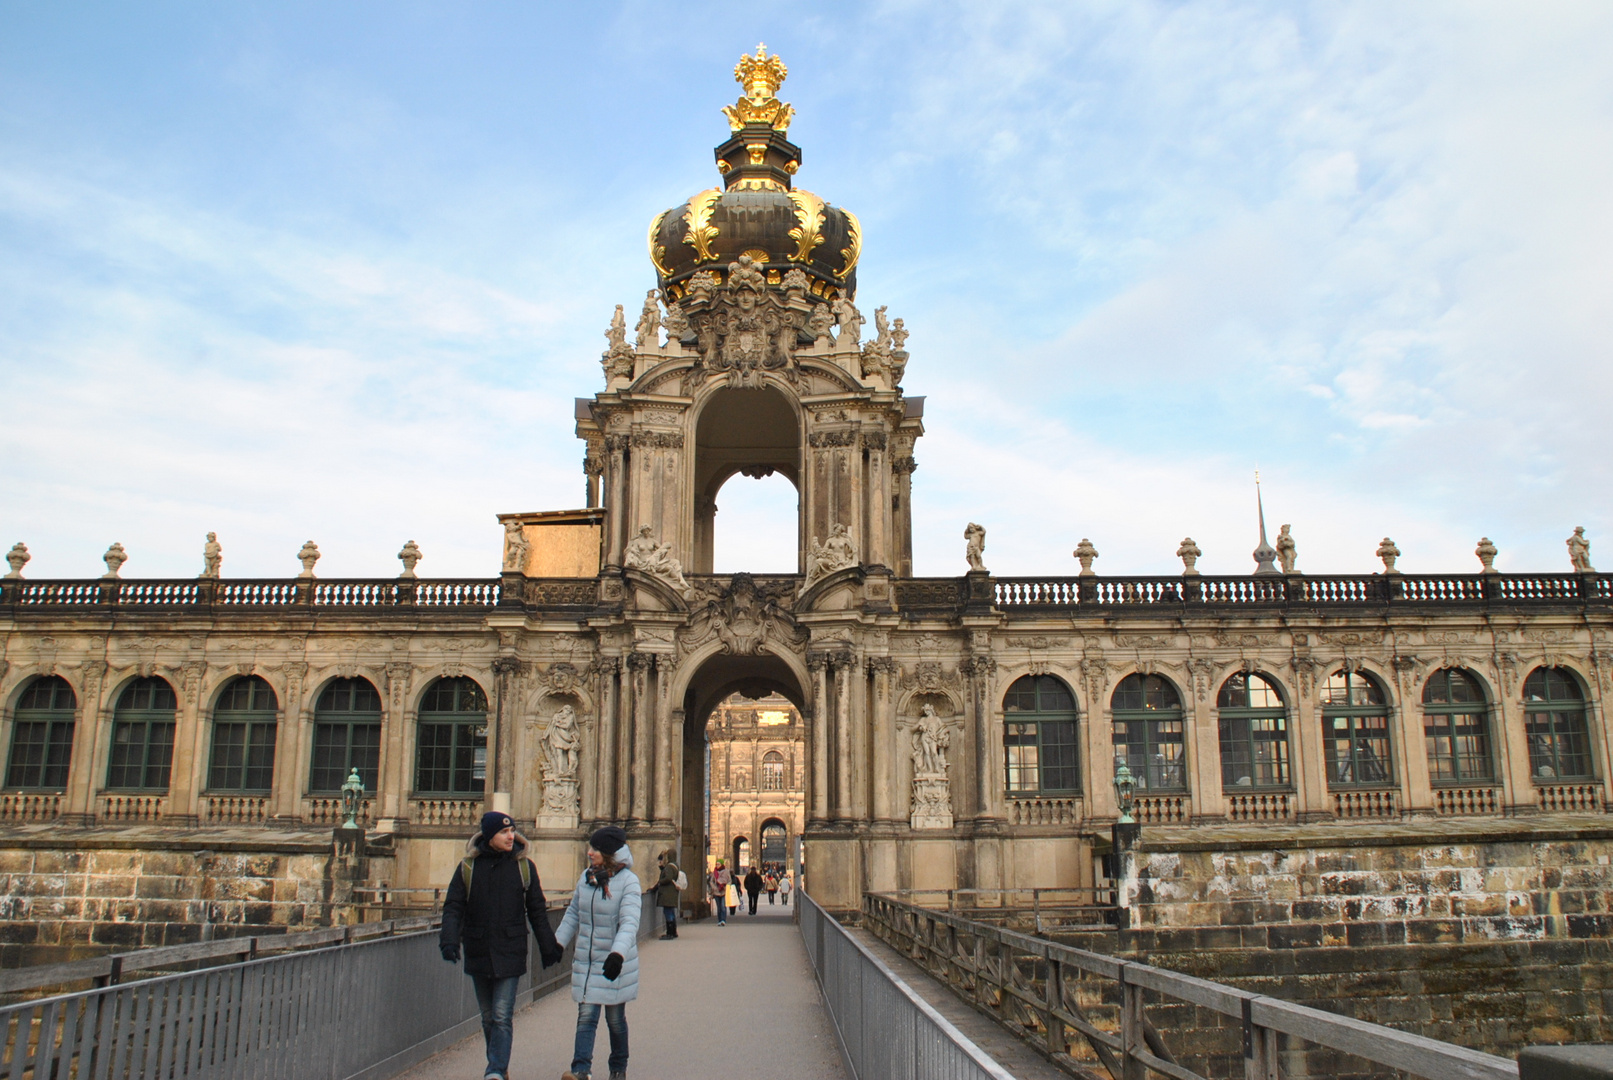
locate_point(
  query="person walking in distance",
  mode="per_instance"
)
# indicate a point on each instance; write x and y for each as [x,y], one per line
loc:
[719,892]
[603,919]
[784,888]
[753,887]
[668,891]
[494,895]
[770,883]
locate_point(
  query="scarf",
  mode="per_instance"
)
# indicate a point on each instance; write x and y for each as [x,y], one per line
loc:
[599,878]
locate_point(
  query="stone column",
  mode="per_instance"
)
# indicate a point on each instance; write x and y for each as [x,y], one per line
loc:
[1307,746]
[637,752]
[183,785]
[616,525]
[288,748]
[876,527]
[818,780]
[669,800]
[1416,790]
[885,774]
[980,669]
[1203,746]
[603,799]
[843,668]
[705,533]
[507,671]
[1512,742]
[79,803]
[902,466]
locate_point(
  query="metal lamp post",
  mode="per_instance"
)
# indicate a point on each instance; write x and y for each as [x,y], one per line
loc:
[1125,785]
[352,799]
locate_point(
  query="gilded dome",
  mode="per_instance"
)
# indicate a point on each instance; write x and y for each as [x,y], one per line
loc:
[757,212]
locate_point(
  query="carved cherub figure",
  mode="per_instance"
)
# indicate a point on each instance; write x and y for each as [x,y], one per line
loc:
[974,546]
[1287,553]
[1579,551]
[212,556]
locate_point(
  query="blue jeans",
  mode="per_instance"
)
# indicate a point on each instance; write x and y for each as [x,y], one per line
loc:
[722,909]
[670,914]
[496,999]
[582,1054]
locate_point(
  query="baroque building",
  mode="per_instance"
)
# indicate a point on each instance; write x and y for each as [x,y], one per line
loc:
[945,732]
[757,807]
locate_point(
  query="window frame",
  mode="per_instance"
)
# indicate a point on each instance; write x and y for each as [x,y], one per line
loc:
[1576,709]
[1445,712]
[251,720]
[1355,714]
[1037,724]
[150,721]
[1150,719]
[1248,715]
[463,735]
[53,720]
[770,775]
[348,720]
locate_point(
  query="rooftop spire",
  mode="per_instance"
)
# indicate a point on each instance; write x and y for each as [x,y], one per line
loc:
[1265,553]
[761,76]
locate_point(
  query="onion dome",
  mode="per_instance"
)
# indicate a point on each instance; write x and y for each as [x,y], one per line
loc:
[756,212]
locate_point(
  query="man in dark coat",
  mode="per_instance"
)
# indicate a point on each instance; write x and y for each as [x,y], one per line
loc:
[494,896]
[753,886]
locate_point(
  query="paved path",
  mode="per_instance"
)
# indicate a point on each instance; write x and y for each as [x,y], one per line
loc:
[737,1000]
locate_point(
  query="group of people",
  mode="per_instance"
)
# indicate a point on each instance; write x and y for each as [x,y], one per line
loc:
[495,895]
[724,886]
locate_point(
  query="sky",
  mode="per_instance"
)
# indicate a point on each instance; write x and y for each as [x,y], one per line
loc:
[301,271]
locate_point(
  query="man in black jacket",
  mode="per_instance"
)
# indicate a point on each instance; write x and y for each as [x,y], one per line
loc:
[495,893]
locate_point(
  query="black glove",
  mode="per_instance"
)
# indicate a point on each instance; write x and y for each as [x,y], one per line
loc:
[551,958]
[450,952]
[613,966]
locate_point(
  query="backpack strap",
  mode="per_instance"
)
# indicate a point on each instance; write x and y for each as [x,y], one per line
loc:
[526,875]
[467,869]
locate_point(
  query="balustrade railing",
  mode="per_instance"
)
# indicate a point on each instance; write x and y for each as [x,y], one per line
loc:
[319,810]
[1260,806]
[1342,590]
[1441,588]
[1044,811]
[1537,586]
[22,807]
[445,811]
[1366,804]
[58,593]
[132,809]
[138,593]
[235,809]
[1027,592]
[1062,997]
[255,594]
[1569,798]
[1467,802]
[355,593]
[1162,809]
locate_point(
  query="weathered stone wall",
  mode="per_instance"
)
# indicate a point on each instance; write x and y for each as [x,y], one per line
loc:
[1493,934]
[67,893]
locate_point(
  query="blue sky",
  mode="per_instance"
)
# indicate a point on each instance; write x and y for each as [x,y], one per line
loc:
[292,271]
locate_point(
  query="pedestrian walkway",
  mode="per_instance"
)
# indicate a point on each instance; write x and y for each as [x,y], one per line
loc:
[735,1000]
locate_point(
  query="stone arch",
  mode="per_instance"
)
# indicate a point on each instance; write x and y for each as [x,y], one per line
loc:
[755,431]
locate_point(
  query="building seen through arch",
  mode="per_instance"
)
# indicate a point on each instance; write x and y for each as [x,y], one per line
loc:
[758,789]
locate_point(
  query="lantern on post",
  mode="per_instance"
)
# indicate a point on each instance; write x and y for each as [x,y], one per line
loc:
[1125,785]
[352,799]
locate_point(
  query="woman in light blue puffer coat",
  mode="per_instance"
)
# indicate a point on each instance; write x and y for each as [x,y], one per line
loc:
[603,919]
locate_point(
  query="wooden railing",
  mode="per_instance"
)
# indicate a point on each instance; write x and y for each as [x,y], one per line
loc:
[1060,995]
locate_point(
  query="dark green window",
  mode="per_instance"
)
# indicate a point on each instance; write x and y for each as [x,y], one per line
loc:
[42,736]
[1554,724]
[1039,737]
[1456,728]
[1355,731]
[143,737]
[451,753]
[243,737]
[347,735]
[1254,733]
[1150,732]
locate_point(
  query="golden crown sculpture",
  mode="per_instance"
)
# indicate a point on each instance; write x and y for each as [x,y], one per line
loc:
[761,76]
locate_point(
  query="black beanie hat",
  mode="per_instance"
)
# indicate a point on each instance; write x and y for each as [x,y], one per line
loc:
[494,822]
[609,840]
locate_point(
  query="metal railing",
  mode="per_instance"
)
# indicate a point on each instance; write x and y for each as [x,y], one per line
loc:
[1057,993]
[1040,909]
[885,1029]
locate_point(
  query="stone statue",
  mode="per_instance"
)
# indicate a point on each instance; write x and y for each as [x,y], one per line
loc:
[1388,553]
[1287,553]
[664,565]
[835,553]
[640,552]
[308,555]
[1487,552]
[974,547]
[561,744]
[212,556]
[616,333]
[1189,553]
[677,323]
[930,741]
[1085,552]
[18,558]
[851,323]
[515,547]
[115,557]
[796,281]
[819,322]
[617,359]
[882,329]
[1579,551]
[648,333]
[898,336]
[409,556]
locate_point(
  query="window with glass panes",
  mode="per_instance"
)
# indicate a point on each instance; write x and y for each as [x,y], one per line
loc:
[1554,726]
[42,736]
[1039,734]
[347,735]
[243,737]
[1456,728]
[142,737]
[451,750]
[1149,732]
[1254,733]
[1355,731]
[772,771]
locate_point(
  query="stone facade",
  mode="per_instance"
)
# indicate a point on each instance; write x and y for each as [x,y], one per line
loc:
[758,780]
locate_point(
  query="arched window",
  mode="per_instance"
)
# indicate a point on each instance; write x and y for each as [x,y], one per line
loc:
[347,735]
[143,737]
[42,736]
[1456,728]
[1039,734]
[451,755]
[1554,724]
[1254,733]
[1149,731]
[243,737]
[772,776]
[775,847]
[1355,730]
